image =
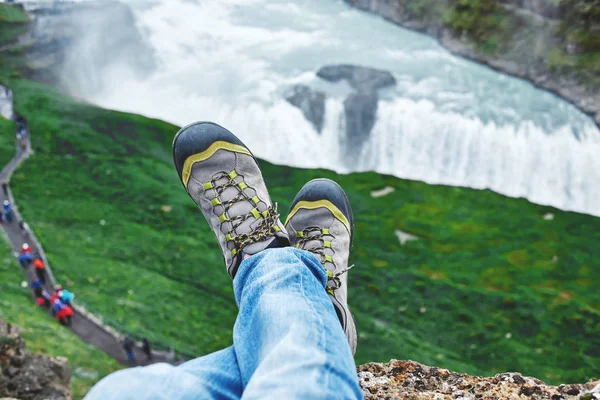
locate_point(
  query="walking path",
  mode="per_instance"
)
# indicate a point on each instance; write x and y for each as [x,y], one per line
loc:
[84,325]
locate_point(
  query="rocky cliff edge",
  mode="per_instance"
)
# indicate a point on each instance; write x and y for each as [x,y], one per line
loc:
[29,376]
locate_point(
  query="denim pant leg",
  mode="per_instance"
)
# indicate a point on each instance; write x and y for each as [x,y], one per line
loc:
[288,339]
[215,376]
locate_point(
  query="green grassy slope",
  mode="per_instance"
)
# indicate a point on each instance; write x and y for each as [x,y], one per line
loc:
[14,23]
[490,286]
[8,130]
[43,334]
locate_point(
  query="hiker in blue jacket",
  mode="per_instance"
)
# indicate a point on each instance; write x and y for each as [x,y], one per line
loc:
[7,210]
[25,259]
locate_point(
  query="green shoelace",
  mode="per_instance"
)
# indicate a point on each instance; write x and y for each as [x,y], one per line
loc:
[316,233]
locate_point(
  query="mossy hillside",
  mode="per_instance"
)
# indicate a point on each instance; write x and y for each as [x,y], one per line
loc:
[490,286]
[8,131]
[13,23]
[11,15]
[572,46]
[581,29]
[43,334]
[486,22]
[569,45]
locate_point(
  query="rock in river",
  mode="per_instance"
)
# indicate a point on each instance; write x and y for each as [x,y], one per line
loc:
[362,79]
[311,102]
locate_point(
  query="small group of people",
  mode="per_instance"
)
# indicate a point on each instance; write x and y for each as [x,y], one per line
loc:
[60,300]
[129,346]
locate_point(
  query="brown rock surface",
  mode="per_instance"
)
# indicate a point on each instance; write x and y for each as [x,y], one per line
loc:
[409,380]
[29,376]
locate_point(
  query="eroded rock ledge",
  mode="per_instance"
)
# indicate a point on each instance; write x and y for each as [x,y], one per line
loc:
[409,380]
[28,376]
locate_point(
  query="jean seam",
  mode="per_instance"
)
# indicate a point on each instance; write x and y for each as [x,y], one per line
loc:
[320,327]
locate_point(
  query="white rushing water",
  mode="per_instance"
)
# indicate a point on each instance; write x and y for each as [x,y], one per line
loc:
[447,121]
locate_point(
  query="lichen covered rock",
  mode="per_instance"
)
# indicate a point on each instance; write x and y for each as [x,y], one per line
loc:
[29,376]
[409,380]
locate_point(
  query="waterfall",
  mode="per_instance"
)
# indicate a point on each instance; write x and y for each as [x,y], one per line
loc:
[447,120]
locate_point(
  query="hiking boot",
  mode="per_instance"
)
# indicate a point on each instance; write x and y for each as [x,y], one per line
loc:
[320,221]
[224,180]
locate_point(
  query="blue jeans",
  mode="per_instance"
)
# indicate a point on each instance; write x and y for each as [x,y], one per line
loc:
[288,343]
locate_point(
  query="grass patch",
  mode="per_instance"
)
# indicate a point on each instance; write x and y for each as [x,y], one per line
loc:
[14,22]
[12,14]
[8,131]
[481,20]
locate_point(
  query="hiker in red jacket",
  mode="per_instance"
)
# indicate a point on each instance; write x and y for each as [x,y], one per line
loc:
[65,315]
[54,297]
[62,312]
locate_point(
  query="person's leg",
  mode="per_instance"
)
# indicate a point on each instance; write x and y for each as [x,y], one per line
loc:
[215,376]
[321,222]
[131,357]
[288,339]
[41,275]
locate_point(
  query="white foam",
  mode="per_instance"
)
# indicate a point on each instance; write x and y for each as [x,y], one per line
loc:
[448,121]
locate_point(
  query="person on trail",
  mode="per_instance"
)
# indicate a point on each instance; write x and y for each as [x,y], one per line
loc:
[146,349]
[56,304]
[129,347]
[294,336]
[65,296]
[42,297]
[36,284]
[7,210]
[65,314]
[25,259]
[25,248]
[54,295]
[24,229]
[62,312]
[40,301]
[40,268]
